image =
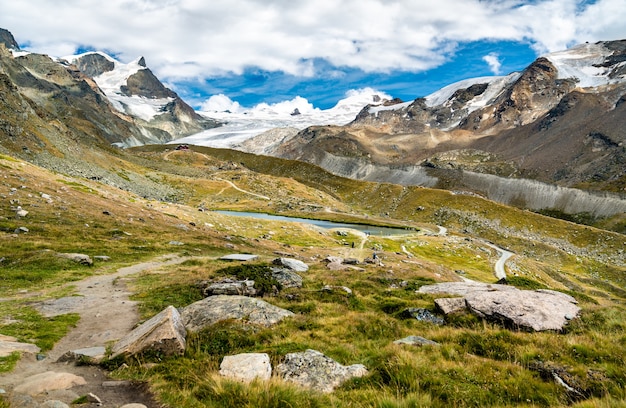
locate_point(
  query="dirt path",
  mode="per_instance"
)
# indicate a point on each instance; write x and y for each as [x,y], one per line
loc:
[106,314]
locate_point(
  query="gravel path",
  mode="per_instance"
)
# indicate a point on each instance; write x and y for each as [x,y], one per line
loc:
[106,314]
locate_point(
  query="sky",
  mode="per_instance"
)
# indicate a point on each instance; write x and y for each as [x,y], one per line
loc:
[253,51]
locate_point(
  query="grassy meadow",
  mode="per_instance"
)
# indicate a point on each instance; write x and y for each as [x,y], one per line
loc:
[476,363]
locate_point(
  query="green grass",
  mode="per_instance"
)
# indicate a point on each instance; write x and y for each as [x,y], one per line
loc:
[31,327]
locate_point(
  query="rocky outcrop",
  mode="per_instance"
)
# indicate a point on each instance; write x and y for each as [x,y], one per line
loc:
[163,333]
[246,367]
[314,370]
[208,311]
[534,310]
[8,40]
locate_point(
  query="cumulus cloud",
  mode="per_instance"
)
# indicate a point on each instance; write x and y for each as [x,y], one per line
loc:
[220,103]
[493,60]
[196,39]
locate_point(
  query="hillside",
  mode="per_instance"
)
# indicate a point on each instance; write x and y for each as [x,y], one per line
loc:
[560,122]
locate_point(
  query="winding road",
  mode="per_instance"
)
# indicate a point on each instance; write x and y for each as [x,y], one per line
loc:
[504,256]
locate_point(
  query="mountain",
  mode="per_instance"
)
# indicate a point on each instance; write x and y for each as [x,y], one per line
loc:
[129,103]
[560,121]
[135,91]
[266,126]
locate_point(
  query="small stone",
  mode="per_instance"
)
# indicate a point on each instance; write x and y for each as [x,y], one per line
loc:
[93,398]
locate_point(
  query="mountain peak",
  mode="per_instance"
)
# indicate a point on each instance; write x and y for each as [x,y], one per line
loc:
[8,40]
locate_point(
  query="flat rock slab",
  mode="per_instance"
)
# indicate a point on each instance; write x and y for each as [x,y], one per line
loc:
[48,381]
[247,367]
[211,310]
[314,370]
[164,333]
[9,347]
[535,310]
[525,309]
[239,257]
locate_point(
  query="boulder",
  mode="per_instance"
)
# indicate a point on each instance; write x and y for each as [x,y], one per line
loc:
[48,381]
[230,287]
[164,333]
[211,310]
[312,369]
[246,367]
[78,258]
[416,341]
[525,309]
[451,305]
[336,266]
[91,355]
[9,347]
[293,264]
[535,310]
[286,277]
[333,259]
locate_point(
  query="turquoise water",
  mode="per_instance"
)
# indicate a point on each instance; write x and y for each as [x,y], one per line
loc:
[371,229]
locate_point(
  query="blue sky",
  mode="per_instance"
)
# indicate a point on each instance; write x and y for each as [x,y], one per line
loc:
[270,51]
[325,89]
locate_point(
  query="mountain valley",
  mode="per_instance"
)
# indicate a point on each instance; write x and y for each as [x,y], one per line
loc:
[83,172]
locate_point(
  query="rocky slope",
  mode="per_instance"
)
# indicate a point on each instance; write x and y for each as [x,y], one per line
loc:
[560,121]
[126,102]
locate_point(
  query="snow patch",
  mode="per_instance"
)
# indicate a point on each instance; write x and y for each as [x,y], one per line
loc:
[578,62]
[495,85]
[243,124]
[112,81]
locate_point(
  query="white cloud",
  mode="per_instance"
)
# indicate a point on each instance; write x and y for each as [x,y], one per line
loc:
[195,38]
[493,60]
[220,103]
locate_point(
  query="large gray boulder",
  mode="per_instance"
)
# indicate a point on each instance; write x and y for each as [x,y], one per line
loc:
[314,370]
[286,277]
[211,310]
[164,333]
[525,309]
[535,310]
[293,264]
[247,367]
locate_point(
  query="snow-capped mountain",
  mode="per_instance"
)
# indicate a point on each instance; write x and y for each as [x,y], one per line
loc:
[135,91]
[242,125]
[560,120]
